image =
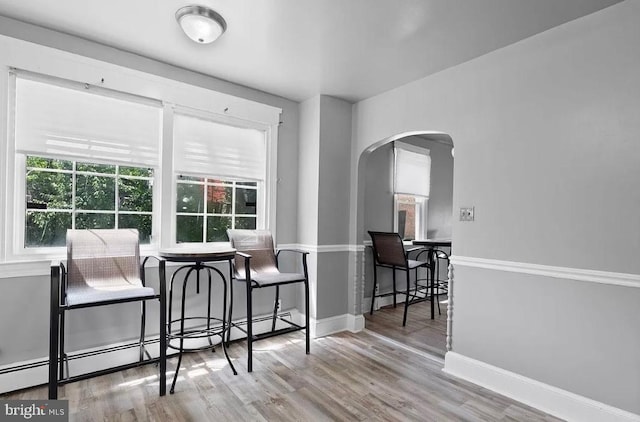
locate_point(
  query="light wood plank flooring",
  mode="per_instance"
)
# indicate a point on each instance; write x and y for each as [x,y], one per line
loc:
[347,377]
[421,332]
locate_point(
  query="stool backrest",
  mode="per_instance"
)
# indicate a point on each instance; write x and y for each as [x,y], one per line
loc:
[102,255]
[258,244]
[388,248]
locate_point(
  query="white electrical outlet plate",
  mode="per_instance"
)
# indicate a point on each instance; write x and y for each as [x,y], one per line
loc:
[467,213]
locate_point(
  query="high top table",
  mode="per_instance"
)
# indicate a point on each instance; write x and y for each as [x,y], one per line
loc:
[195,258]
[432,244]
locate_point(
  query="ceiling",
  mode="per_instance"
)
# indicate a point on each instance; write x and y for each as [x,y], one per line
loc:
[351,49]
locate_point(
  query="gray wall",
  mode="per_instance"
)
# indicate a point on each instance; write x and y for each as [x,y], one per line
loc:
[324,171]
[441,195]
[572,91]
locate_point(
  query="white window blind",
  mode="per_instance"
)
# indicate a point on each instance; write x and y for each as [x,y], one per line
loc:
[208,148]
[412,170]
[54,120]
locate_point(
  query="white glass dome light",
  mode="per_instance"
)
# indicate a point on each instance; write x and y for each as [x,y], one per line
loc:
[200,23]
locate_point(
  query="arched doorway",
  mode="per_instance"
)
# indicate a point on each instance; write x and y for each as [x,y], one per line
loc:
[378,210]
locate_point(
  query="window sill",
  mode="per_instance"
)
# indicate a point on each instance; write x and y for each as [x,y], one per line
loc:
[19,269]
[38,265]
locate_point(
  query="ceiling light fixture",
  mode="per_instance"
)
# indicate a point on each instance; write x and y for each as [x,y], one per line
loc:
[200,23]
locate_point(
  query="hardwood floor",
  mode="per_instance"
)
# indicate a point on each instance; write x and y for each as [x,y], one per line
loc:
[421,332]
[347,377]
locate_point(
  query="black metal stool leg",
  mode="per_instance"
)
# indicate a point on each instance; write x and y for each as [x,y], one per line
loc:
[249,329]
[307,311]
[225,326]
[182,312]
[209,311]
[275,309]
[230,320]
[393,269]
[406,301]
[62,356]
[375,284]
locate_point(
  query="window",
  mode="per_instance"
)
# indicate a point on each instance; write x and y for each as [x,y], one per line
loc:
[64,194]
[410,210]
[87,155]
[206,208]
[231,195]
[84,156]
[412,169]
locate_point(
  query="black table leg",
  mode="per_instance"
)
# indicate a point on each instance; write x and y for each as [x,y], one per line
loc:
[432,271]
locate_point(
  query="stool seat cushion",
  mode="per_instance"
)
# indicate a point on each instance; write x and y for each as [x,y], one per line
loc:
[101,290]
[415,264]
[269,278]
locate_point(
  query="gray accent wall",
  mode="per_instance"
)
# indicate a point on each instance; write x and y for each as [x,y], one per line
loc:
[546,148]
[324,171]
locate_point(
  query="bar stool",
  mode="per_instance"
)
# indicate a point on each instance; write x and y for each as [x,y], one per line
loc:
[195,261]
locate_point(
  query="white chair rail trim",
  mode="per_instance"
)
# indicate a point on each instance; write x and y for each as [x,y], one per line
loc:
[566,273]
[24,269]
[322,248]
[42,267]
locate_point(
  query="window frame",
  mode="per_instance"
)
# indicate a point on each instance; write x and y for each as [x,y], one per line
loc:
[234,185]
[74,210]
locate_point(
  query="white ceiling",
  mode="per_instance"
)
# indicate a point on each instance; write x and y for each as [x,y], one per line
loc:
[352,49]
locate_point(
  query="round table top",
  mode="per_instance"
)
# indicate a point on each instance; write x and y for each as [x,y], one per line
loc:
[200,253]
[432,242]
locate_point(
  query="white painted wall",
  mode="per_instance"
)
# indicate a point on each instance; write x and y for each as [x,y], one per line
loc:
[546,149]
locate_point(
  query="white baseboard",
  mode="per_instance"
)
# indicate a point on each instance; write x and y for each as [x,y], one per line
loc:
[24,378]
[39,375]
[381,302]
[547,398]
[336,324]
